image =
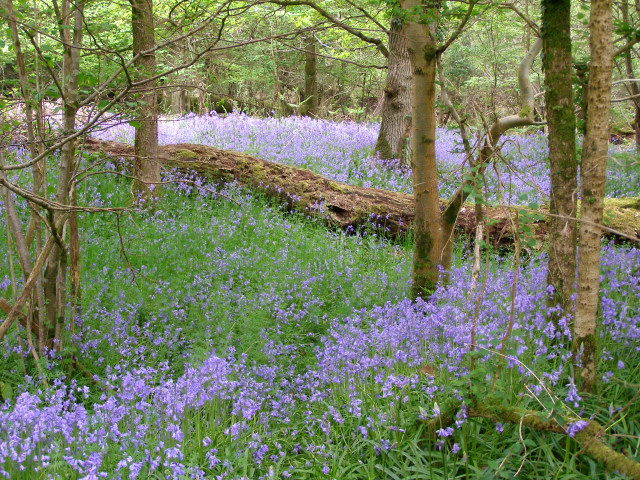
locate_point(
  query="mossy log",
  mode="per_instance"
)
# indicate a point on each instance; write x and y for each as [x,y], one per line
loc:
[342,205]
[589,438]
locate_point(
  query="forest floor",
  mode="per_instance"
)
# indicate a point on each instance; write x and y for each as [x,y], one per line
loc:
[229,337]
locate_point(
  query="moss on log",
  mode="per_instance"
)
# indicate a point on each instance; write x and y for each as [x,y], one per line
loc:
[590,438]
[342,205]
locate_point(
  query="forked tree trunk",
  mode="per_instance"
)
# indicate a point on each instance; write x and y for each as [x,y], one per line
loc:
[396,102]
[310,105]
[561,120]
[592,181]
[55,277]
[53,255]
[486,154]
[146,167]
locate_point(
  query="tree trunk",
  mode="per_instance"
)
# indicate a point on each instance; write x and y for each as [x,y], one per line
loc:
[177,101]
[55,276]
[427,252]
[310,101]
[146,167]
[632,87]
[396,102]
[561,120]
[592,181]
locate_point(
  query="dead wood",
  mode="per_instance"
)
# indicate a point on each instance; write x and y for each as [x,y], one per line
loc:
[6,308]
[345,206]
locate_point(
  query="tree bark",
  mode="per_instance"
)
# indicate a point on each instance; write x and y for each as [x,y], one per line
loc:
[632,87]
[396,101]
[592,181]
[428,241]
[55,276]
[146,166]
[310,101]
[561,120]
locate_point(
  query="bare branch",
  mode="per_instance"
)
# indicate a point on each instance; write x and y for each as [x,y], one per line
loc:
[337,22]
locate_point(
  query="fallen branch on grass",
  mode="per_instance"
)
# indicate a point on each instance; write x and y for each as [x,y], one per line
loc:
[6,308]
[589,437]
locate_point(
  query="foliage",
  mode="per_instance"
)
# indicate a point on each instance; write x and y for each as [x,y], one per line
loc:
[239,341]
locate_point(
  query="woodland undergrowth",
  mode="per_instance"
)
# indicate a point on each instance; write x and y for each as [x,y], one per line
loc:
[234,339]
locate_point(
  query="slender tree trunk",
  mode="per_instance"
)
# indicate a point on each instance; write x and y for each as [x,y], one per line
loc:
[74,261]
[556,35]
[177,101]
[146,168]
[310,105]
[396,102]
[38,170]
[55,277]
[427,251]
[632,88]
[592,181]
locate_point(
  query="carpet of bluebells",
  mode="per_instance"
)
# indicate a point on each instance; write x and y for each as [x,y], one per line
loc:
[240,341]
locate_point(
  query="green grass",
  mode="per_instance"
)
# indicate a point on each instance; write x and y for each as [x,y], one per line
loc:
[256,262]
[201,274]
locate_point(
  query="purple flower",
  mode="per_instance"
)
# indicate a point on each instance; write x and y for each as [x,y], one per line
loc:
[445,432]
[572,394]
[576,427]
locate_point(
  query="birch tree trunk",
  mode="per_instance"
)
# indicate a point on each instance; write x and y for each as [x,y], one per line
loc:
[561,120]
[146,167]
[396,102]
[592,182]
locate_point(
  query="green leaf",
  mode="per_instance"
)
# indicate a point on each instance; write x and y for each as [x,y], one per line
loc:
[87,79]
[134,123]
[6,392]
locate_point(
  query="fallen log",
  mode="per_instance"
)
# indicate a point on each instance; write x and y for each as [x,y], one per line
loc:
[345,206]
